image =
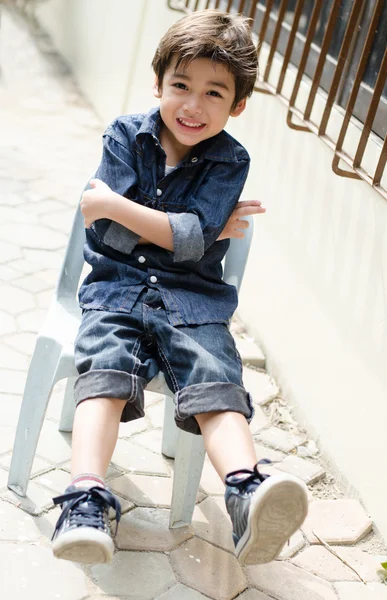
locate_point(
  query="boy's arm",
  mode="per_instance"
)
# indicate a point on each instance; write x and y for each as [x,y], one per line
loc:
[187,234]
[101,202]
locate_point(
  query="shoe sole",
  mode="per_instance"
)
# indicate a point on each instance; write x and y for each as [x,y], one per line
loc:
[84,545]
[277,510]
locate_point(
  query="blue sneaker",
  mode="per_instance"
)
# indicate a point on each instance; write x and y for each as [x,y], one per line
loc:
[82,533]
[265,512]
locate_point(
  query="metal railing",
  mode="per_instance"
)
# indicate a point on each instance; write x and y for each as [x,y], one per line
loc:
[350,52]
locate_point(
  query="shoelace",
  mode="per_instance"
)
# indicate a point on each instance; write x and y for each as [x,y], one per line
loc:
[252,476]
[81,515]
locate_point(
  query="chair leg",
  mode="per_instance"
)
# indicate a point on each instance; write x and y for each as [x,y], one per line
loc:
[189,461]
[40,379]
[170,431]
[68,407]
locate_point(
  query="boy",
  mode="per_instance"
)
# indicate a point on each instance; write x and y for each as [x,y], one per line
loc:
[163,194]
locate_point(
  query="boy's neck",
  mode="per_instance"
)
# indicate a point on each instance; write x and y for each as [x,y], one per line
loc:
[174,151]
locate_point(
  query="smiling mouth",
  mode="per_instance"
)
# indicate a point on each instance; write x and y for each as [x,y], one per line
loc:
[189,125]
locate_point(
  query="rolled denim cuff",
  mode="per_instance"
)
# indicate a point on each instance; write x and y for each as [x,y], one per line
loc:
[188,241]
[109,383]
[210,397]
[120,238]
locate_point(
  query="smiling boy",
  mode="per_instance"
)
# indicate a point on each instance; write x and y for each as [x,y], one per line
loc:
[158,219]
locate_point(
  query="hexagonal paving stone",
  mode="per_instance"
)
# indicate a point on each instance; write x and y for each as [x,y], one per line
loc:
[308,471]
[319,561]
[151,439]
[337,521]
[261,386]
[16,525]
[284,581]
[212,524]
[279,439]
[9,251]
[144,490]
[22,341]
[54,445]
[259,421]
[209,570]
[252,594]
[12,359]
[33,572]
[32,236]
[12,382]
[35,502]
[32,320]
[359,591]
[56,481]
[139,575]
[148,529]
[182,592]
[250,353]
[269,453]
[7,323]
[295,544]
[132,457]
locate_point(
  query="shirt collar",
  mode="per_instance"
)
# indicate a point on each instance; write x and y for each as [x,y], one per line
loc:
[220,148]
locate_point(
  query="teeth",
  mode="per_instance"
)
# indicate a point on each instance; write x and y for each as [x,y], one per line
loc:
[190,124]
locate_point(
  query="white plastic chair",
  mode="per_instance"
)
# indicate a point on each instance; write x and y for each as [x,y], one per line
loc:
[53,360]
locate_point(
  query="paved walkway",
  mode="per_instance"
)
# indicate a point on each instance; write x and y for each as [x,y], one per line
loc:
[49,144]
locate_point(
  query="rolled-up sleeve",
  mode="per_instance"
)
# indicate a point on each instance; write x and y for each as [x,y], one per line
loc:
[197,229]
[117,170]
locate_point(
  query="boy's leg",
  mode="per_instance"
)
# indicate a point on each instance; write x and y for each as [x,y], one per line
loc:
[202,365]
[82,533]
[265,511]
[114,359]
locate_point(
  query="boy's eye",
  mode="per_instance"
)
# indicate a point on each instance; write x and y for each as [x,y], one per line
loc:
[214,93]
[180,86]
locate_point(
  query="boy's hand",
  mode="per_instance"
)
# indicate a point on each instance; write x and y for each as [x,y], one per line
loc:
[236,222]
[95,202]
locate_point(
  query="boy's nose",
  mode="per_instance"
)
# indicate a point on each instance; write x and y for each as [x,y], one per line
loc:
[192,106]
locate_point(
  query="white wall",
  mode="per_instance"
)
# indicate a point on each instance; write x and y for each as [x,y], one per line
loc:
[314,294]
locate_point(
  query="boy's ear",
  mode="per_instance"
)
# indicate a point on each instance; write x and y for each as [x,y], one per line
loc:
[156,89]
[239,108]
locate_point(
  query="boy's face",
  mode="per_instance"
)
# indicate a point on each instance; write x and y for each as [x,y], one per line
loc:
[196,101]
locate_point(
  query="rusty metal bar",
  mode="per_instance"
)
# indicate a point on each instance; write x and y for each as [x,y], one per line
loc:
[301,69]
[217,3]
[356,85]
[253,9]
[229,5]
[381,164]
[346,45]
[241,6]
[373,107]
[290,44]
[274,42]
[322,58]
[196,4]
[208,4]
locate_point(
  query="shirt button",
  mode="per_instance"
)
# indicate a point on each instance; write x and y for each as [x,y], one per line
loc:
[141,259]
[194,159]
[153,279]
[159,192]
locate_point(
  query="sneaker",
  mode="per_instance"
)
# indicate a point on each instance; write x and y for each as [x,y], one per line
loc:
[82,533]
[265,512]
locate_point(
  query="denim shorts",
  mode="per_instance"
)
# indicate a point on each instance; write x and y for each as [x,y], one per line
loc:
[117,354]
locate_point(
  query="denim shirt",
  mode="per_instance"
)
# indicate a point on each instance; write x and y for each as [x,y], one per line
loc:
[198,196]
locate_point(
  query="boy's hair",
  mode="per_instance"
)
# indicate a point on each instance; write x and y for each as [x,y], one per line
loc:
[222,37]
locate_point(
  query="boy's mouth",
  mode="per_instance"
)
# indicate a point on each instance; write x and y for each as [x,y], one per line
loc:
[191,126]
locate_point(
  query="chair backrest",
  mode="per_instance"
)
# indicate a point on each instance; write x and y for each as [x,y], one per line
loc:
[67,285]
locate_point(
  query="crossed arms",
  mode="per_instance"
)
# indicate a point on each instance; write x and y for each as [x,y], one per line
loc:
[153,226]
